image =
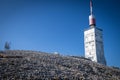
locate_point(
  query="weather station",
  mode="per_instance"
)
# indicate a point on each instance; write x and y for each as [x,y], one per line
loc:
[93,40]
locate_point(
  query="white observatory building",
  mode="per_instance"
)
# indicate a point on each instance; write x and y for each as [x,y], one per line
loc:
[93,41]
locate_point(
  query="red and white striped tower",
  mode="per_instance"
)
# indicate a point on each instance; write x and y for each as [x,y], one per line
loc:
[92,21]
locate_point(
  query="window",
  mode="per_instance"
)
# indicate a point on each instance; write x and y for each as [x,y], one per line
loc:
[89,53]
[86,46]
[92,46]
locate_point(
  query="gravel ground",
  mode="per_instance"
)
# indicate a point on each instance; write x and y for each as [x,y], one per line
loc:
[33,65]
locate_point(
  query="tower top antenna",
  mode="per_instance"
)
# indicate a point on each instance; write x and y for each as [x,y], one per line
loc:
[91,5]
[92,21]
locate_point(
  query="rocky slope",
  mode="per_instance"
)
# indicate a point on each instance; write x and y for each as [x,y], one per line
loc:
[31,65]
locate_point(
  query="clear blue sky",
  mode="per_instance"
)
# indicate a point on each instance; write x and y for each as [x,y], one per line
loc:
[58,25]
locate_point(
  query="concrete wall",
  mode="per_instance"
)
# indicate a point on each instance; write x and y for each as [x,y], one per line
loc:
[93,42]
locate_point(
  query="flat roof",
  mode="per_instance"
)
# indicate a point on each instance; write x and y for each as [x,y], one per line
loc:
[93,27]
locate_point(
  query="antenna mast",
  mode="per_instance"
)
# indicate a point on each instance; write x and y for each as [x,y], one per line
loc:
[92,21]
[91,11]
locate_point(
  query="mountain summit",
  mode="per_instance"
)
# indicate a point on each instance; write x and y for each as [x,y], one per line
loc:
[33,65]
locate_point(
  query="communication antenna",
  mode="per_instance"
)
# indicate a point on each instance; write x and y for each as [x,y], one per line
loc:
[92,21]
